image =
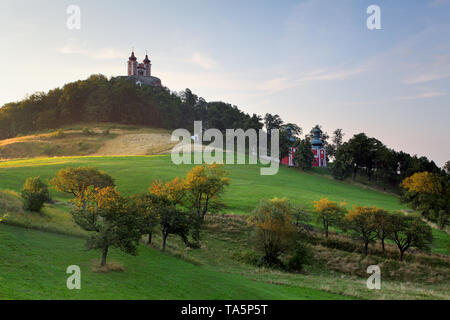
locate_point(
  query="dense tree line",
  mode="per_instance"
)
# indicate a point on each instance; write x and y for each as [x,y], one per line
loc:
[371,158]
[118,100]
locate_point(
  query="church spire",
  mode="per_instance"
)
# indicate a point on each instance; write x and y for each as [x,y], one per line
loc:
[146,60]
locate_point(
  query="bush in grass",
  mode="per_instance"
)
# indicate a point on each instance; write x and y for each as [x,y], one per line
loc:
[302,255]
[34,194]
[274,229]
[87,132]
[58,134]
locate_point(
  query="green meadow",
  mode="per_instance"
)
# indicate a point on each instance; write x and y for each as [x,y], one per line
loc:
[134,174]
[33,262]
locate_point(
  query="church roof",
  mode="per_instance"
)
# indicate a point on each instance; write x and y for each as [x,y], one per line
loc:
[147,60]
[133,58]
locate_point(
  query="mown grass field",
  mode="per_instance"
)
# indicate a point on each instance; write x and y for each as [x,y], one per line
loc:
[134,174]
[33,263]
[33,266]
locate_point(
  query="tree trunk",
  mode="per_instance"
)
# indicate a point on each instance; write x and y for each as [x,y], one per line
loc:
[382,244]
[164,240]
[366,248]
[149,242]
[104,254]
[401,255]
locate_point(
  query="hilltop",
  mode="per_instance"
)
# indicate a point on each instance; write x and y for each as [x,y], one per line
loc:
[117,100]
[90,139]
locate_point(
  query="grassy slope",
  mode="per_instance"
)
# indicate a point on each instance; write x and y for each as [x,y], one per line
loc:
[135,173]
[225,280]
[33,265]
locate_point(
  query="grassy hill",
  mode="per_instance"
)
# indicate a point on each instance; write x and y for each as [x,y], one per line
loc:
[135,173]
[33,266]
[88,139]
[33,263]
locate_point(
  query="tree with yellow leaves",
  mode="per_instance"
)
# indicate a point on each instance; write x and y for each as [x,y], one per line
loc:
[274,228]
[111,219]
[204,185]
[361,222]
[329,213]
[428,193]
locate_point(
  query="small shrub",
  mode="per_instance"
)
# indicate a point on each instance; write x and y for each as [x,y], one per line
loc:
[110,267]
[34,194]
[58,134]
[82,146]
[106,132]
[87,132]
[247,256]
[341,245]
[302,255]
[51,150]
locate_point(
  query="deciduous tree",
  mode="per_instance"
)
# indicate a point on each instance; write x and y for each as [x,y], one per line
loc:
[34,194]
[204,185]
[111,219]
[410,231]
[361,223]
[75,181]
[274,228]
[329,213]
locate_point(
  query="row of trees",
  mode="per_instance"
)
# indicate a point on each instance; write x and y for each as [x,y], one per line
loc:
[369,224]
[118,100]
[176,207]
[360,155]
[278,229]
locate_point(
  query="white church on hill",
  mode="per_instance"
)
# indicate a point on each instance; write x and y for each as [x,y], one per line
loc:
[141,73]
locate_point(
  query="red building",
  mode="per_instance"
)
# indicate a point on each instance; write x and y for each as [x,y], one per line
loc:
[320,155]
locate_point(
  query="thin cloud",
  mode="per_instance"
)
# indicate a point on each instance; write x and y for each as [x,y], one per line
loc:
[276,85]
[423,95]
[203,61]
[327,75]
[76,47]
[73,46]
[437,3]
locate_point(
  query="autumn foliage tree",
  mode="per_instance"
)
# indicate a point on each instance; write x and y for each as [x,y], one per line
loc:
[382,222]
[75,181]
[146,205]
[329,213]
[274,228]
[409,231]
[111,219]
[204,185]
[167,203]
[360,222]
[34,194]
[428,193]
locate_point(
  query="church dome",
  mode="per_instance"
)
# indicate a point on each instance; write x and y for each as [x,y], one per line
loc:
[133,58]
[316,141]
[146,60]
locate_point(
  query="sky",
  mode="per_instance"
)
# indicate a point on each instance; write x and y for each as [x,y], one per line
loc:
[312,61]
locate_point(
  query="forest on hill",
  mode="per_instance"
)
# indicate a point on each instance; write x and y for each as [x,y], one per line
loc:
[118,100]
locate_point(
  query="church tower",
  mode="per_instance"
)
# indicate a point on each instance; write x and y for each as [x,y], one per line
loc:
[148,66]
[132,65]
[320,157]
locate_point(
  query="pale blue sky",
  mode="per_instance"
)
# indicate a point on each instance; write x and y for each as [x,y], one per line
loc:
[310,61]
